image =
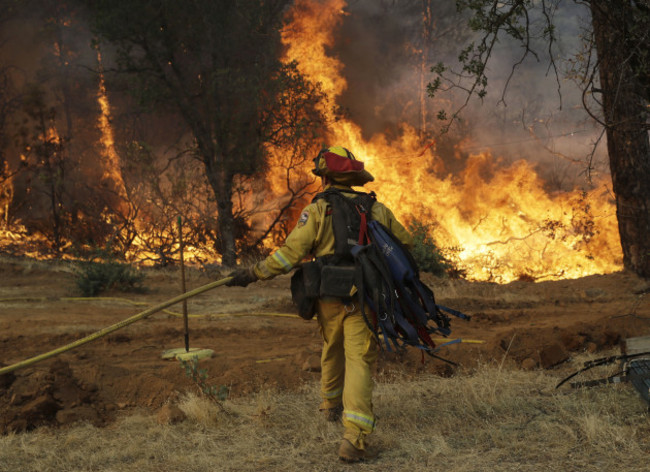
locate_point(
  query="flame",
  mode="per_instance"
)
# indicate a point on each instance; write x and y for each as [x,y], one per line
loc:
[307,38]
[6,193]
[500,228]
[496,222]
[111,160]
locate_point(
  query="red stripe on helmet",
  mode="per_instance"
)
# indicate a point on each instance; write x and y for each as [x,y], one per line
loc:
[336,163]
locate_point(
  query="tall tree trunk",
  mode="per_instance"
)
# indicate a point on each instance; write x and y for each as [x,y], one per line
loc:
[221,183]
[626,114]
[427,26]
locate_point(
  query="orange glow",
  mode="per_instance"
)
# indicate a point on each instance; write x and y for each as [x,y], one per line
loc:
[501,228]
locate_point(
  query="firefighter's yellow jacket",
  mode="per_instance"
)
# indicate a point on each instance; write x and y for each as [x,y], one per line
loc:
[314,235]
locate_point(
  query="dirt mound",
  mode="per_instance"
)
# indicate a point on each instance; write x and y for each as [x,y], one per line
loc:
[42,398]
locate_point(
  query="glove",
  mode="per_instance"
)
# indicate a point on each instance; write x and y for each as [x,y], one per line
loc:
[242,277]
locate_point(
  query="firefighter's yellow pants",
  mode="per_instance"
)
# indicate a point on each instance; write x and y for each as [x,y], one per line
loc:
[349,352]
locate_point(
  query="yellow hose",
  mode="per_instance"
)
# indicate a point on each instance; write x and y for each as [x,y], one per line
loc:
[134,303]
[115,327]
[142,315]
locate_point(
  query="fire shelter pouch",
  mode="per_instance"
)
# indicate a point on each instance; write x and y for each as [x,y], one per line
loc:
[305,283]
[337,281]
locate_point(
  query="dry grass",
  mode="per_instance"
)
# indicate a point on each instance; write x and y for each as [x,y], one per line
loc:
[487,420]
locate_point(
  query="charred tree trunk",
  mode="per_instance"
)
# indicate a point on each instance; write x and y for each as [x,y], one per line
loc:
[221,183]
[625,107]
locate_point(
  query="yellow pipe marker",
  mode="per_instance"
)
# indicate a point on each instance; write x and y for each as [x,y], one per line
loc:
[115,327]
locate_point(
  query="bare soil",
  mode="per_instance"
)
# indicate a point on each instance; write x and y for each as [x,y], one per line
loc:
[257,346]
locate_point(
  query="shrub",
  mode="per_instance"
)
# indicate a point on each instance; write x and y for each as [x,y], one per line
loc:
[427,255]
[200,378]
[96,277]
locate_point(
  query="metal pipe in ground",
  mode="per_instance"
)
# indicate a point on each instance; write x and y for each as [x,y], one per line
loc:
[115,327]
[185,317]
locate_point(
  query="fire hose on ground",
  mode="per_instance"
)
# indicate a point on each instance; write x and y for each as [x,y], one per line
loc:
[109,329]
[140,316]
[134,303]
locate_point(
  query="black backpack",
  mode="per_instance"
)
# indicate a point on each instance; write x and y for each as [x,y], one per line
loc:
[395,303]
[333,275]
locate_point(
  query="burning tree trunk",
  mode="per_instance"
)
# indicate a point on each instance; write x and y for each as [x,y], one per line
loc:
[625,91]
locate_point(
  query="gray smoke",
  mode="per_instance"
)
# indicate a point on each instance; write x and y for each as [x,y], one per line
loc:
[540,117]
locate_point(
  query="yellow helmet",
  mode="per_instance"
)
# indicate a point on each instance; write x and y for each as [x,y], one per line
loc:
[341,167]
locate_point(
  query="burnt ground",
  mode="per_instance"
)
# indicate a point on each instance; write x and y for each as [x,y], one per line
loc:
[257,346]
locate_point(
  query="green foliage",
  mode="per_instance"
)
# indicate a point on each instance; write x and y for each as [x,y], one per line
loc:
[200,378]
[491,21]
[96,276]
[427,255]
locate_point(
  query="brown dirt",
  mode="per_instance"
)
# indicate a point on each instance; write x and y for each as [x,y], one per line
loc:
[529,325]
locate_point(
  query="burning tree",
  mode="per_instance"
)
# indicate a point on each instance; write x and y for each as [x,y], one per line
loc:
[615,83]
[45,157]
[7,103]
[215,64]
[47,132]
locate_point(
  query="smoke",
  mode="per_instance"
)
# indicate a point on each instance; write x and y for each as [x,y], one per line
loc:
[46,44]
[375,44]
[533,114]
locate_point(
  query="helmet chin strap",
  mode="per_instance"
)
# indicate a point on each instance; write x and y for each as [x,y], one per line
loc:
[326,181]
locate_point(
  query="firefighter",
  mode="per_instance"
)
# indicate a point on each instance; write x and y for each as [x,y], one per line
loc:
[349,347]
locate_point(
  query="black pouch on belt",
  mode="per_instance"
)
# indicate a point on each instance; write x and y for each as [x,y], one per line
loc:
[305,284]
[337,281]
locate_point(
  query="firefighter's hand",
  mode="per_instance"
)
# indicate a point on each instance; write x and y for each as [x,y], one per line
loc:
[242,277]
